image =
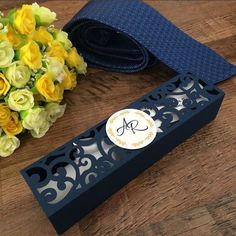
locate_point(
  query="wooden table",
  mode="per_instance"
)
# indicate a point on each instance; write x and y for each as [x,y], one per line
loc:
[192,191]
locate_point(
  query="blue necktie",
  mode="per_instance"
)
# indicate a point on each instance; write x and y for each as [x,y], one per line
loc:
[129,35]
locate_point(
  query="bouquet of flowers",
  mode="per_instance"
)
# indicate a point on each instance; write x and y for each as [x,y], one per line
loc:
[37,64]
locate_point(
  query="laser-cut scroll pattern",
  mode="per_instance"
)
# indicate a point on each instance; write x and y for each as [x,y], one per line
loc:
[78,163]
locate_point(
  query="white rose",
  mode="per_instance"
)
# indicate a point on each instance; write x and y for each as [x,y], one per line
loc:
[18,74]
[6,54]
[35,120]
[56,69]
[54,111]
[43,15]
[8,145]
[20,100]
[62,37]
[41,131]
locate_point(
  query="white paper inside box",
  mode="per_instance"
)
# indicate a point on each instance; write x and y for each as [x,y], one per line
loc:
[74,179]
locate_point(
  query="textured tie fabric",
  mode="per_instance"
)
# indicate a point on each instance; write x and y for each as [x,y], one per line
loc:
[129,35]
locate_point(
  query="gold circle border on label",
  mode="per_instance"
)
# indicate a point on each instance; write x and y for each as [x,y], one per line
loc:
[125,143]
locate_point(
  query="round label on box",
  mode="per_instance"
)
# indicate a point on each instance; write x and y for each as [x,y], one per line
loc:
[131,129]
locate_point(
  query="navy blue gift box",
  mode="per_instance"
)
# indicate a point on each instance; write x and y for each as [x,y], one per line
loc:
[127,36]
[78,176]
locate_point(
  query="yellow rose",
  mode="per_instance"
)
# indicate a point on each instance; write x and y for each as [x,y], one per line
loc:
[41,35]
[24,21]
[31,56]
[15,39]
[56,49]
[54,111]
[4,85]
[8,145]
[20,100]
[46,87]
[69,82]
[5,114]
[3,36]
[35,120]
[14,126]
[76,61]
[6,54]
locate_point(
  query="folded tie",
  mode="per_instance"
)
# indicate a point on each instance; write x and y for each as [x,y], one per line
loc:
[129,35]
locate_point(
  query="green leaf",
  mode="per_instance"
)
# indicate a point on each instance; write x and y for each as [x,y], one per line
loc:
[37,19]
[4,70]
[11,16]
[13,89]
[4,21]
[37,76]
[23,114]
[6,99]
[34,90]
[17,55]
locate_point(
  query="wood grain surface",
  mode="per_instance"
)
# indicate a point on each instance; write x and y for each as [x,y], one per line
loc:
[191,191]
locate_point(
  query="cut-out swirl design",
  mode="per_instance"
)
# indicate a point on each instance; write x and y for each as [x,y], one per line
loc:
[78,164]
